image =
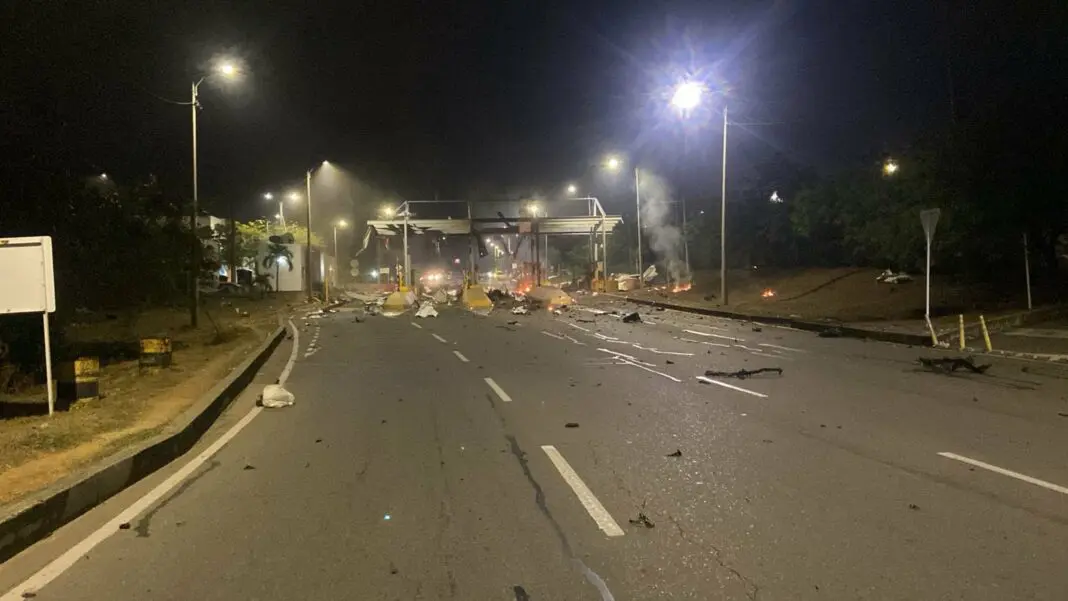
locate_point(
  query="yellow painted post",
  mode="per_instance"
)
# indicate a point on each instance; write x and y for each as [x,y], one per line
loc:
[986,334]
[961,323]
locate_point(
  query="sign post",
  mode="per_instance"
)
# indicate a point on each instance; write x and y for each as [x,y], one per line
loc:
[29,287]
[929,219]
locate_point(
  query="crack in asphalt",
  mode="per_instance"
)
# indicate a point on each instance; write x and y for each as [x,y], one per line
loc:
[752,589]
[144,523]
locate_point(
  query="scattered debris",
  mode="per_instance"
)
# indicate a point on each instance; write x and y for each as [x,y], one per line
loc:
[823,425]
[274,396]
[356,319]
[249,467]
[1062,414]
[318,440]
[520,593]
[426,310]
[520,310]
[758,329]
[513,323]
[632,317]
[889,277]
[571,425]
[28,594]
[643,520]
[669,362]
[677,453]
[914,506]
[124,526]
[742,374]
[952,364]
[830,333]
[767,441]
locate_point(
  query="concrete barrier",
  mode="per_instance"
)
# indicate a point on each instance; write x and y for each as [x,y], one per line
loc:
[397,303]
[475,299]
[34,518]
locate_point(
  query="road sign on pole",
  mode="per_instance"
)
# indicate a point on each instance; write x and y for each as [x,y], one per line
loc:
[929,219]
[29,287]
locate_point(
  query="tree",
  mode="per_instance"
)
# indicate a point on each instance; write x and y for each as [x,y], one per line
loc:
[276,255]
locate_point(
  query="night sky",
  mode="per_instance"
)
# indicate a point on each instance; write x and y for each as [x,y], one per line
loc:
[492,98]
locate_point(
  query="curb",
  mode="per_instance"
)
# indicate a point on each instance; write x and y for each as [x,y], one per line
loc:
[809,326]
[43,513]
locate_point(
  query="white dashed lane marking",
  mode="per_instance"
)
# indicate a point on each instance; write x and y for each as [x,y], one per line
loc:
[500,392]
[439,338]
[600,515]
[460,356]
[1004,472]
[732,387]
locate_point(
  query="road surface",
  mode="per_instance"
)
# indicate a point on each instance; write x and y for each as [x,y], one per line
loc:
[578,457]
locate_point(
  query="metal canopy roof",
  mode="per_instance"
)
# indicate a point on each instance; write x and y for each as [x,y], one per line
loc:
[565,226]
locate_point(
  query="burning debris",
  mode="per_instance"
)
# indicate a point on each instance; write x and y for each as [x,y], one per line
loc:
[682,287]
[743,374]
[520,310]
[952,364]
[767,293]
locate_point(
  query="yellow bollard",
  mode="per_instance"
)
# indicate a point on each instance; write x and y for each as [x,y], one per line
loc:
[986,334]
[961,323]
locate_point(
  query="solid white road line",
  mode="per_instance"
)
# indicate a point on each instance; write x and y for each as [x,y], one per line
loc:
[783,348]
[574,340]
[734,338]
[576,326]
[460,356]
[1004,472]
[659,373]
[417,325]
[556,336]
[660,352]
[731,386]
[600,515]
[439,338]
[625,356]
[500,392]
[61,564]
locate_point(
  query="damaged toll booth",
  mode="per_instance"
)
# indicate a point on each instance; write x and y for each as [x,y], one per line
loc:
[516,231]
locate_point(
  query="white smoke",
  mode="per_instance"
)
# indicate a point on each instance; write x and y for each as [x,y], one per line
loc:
[665,238]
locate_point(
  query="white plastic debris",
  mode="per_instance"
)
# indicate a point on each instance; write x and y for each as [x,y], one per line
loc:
[427,310]
[889,277]
[520,310]
[274,396]
[440,297]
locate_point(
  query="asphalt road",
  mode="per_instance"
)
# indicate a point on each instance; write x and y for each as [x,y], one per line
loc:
[579,457]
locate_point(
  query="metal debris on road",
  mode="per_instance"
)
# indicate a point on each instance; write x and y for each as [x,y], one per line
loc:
[677,453]
[642,520]
[952,364]
[124,526]
[830,333]
[742,374]
[426,310]
[758,329]
[632,317]
[914,506]
[571,425]
[274,396]
[249,467]
[520,310]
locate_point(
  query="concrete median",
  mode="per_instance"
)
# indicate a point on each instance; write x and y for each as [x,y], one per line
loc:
[475,299]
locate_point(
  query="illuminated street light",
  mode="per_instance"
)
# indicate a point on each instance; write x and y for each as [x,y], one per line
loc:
[229,70]
[890,167]
[687,95]
[293,196]
[268,196]
[387,212]
[572,189]
[103,176]
[613,163]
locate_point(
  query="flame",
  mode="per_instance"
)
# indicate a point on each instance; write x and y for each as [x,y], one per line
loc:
[682,287]
[767,293]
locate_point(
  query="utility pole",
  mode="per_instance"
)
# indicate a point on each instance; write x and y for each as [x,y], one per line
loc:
[194,268]
[723,219]
[307,250]
[638,210]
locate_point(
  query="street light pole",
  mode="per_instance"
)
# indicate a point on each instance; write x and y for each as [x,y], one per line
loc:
[307,249]
[638,208]
[407,260]
[194,293]
[723,218]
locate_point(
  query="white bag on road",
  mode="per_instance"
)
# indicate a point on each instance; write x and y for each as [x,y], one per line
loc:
[275,396]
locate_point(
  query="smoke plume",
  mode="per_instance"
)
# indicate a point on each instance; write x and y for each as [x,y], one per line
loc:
[664,237]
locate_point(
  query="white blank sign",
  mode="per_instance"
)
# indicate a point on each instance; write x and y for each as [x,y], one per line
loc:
[27,283]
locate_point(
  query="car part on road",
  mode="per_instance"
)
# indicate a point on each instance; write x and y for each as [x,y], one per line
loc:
[632,317]
[426,310]
[520,310]
[743,374]
[677,453]
[643,520]
[274,396]
[571,425]
[952,364]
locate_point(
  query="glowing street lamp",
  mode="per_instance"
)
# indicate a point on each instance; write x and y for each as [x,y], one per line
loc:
[687,95]
[613,163]
[387,211]
[572,189]
[890,167]
[228,70]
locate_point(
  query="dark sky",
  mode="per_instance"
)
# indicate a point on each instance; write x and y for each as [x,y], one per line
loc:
[488,97]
